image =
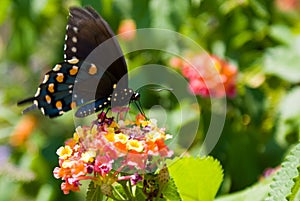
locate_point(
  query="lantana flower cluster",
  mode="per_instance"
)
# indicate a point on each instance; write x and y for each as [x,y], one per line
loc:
[205,81]
[109,151]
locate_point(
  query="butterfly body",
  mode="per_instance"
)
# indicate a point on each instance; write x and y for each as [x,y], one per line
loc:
[114,100]
[90,82]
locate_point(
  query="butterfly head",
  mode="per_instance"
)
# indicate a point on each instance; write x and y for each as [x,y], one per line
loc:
[135,96]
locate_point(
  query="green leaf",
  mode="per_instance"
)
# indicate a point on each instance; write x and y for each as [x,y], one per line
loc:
[289,106]
[45,193]
[295,195]
[139,195]
[256,192]
[160,14]
[281,33]
[170,192]
[4,8]
[94,193]
[283,61]
[286,181]
[289,118]
[196,178]
[259,8]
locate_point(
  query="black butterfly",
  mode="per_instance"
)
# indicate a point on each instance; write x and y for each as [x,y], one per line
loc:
[94,82]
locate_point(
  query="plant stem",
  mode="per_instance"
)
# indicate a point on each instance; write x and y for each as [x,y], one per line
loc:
[128,193]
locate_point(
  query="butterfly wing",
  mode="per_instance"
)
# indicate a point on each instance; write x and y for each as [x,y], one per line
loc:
[85,31]
[54,95]
[89,30]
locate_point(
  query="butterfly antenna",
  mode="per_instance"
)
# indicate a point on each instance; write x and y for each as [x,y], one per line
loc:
[140,108]
[27,100]
[106,110]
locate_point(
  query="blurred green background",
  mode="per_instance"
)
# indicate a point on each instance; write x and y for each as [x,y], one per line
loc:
[260,37]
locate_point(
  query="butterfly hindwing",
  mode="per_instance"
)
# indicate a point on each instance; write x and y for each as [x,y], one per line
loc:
[54,94]
[93,107]
[58,93]
[116,99]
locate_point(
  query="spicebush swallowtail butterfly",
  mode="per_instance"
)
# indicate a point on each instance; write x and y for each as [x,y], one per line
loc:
[96,83]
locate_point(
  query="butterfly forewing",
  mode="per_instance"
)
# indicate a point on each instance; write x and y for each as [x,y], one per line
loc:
[86,30]
[83,34]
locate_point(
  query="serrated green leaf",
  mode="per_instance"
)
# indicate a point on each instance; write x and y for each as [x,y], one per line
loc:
[295,195]
[196,178]
[170,192]
[94,193]
[139,194]
[286,181]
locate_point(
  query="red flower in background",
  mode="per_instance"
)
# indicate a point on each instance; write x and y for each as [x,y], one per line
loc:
[208,76]
[287,5]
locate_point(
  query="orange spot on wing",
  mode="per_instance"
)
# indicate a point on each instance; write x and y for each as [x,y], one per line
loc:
[60,77]
[73,105]
[51,88]
[48,99]
[58,105]
[74,70]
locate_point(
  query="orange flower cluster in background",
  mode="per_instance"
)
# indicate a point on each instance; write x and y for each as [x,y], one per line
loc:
[102,151]
[23,130]
[127,29]
[207,76]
